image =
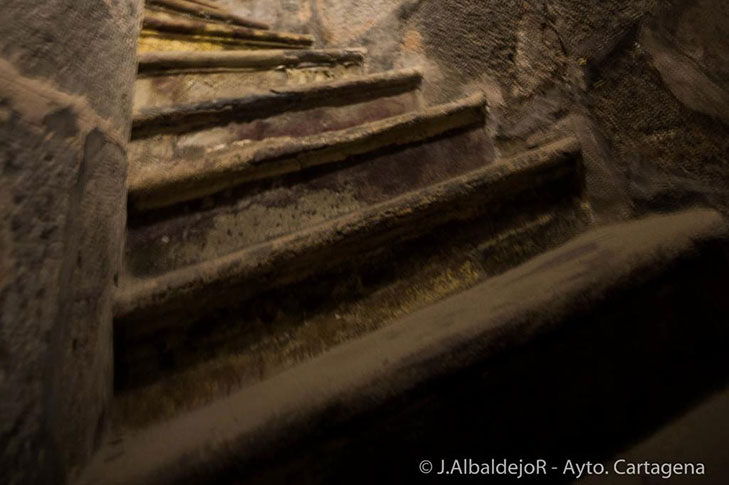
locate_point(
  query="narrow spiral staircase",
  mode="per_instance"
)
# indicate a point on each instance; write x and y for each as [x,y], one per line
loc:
[321,268]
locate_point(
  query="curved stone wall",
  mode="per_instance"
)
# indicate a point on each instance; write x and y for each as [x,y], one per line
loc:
[643,83]
[66,75]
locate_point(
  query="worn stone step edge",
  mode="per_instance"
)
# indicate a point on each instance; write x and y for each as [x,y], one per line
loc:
[467,330]
[294,257]
[156,63]
[200,10]
[208,4]
[188,117]
[153,186]
[224,32]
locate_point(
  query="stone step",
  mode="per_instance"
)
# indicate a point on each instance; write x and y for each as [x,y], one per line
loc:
[559,358]
[192,117]
[202,10]
[316,248]
[167,32]
[169,78]
[300,306]
[182,137]
[156,183]
[168,63]
[205,3]
[158,374]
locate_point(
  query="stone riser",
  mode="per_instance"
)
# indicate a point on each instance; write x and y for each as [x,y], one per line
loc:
[265,103]
[192,88]
[201,10]
[151,41]
[187,148]
[170,31]
[157,372]
[163,63]
[317,248]
[254,215]
[170,79]
[158,185]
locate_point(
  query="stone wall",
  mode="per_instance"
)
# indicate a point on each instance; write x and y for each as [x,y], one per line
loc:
[66,76]
[642,82]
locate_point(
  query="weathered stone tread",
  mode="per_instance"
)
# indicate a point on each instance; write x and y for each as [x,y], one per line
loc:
[167,62]
[165,24]
[188,117]
[159,185]
[208,4]
[455,334]
[294,257]
[203,10]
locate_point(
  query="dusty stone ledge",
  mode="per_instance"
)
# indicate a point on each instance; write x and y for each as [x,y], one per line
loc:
[208,4]
[159,185]
[189,117]
[199,9]
[168,25]
[294,257]
[161,63]
[154,41]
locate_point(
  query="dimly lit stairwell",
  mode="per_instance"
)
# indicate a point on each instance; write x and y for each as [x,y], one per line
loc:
[293,217]
[282,202]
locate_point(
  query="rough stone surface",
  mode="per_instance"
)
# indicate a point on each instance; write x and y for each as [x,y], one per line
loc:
[291,101]
[202,10]
[645,80]
[639,85]
[158,375]
[146,304]
[66,73]
[170,32]
[166,79]
[156,183]
[454,366]
[383,259]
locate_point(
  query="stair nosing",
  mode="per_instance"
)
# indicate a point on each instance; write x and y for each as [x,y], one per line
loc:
[208,5]
[160,63]
[160,186]
[152,292]
[183,118]
[214,13]
[187,27]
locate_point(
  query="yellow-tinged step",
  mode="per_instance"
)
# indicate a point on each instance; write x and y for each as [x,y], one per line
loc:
[165,32]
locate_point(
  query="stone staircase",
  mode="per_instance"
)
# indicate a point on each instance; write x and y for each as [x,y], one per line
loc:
[296,227]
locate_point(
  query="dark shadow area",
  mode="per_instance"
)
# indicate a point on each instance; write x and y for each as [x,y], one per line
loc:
[611,375]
